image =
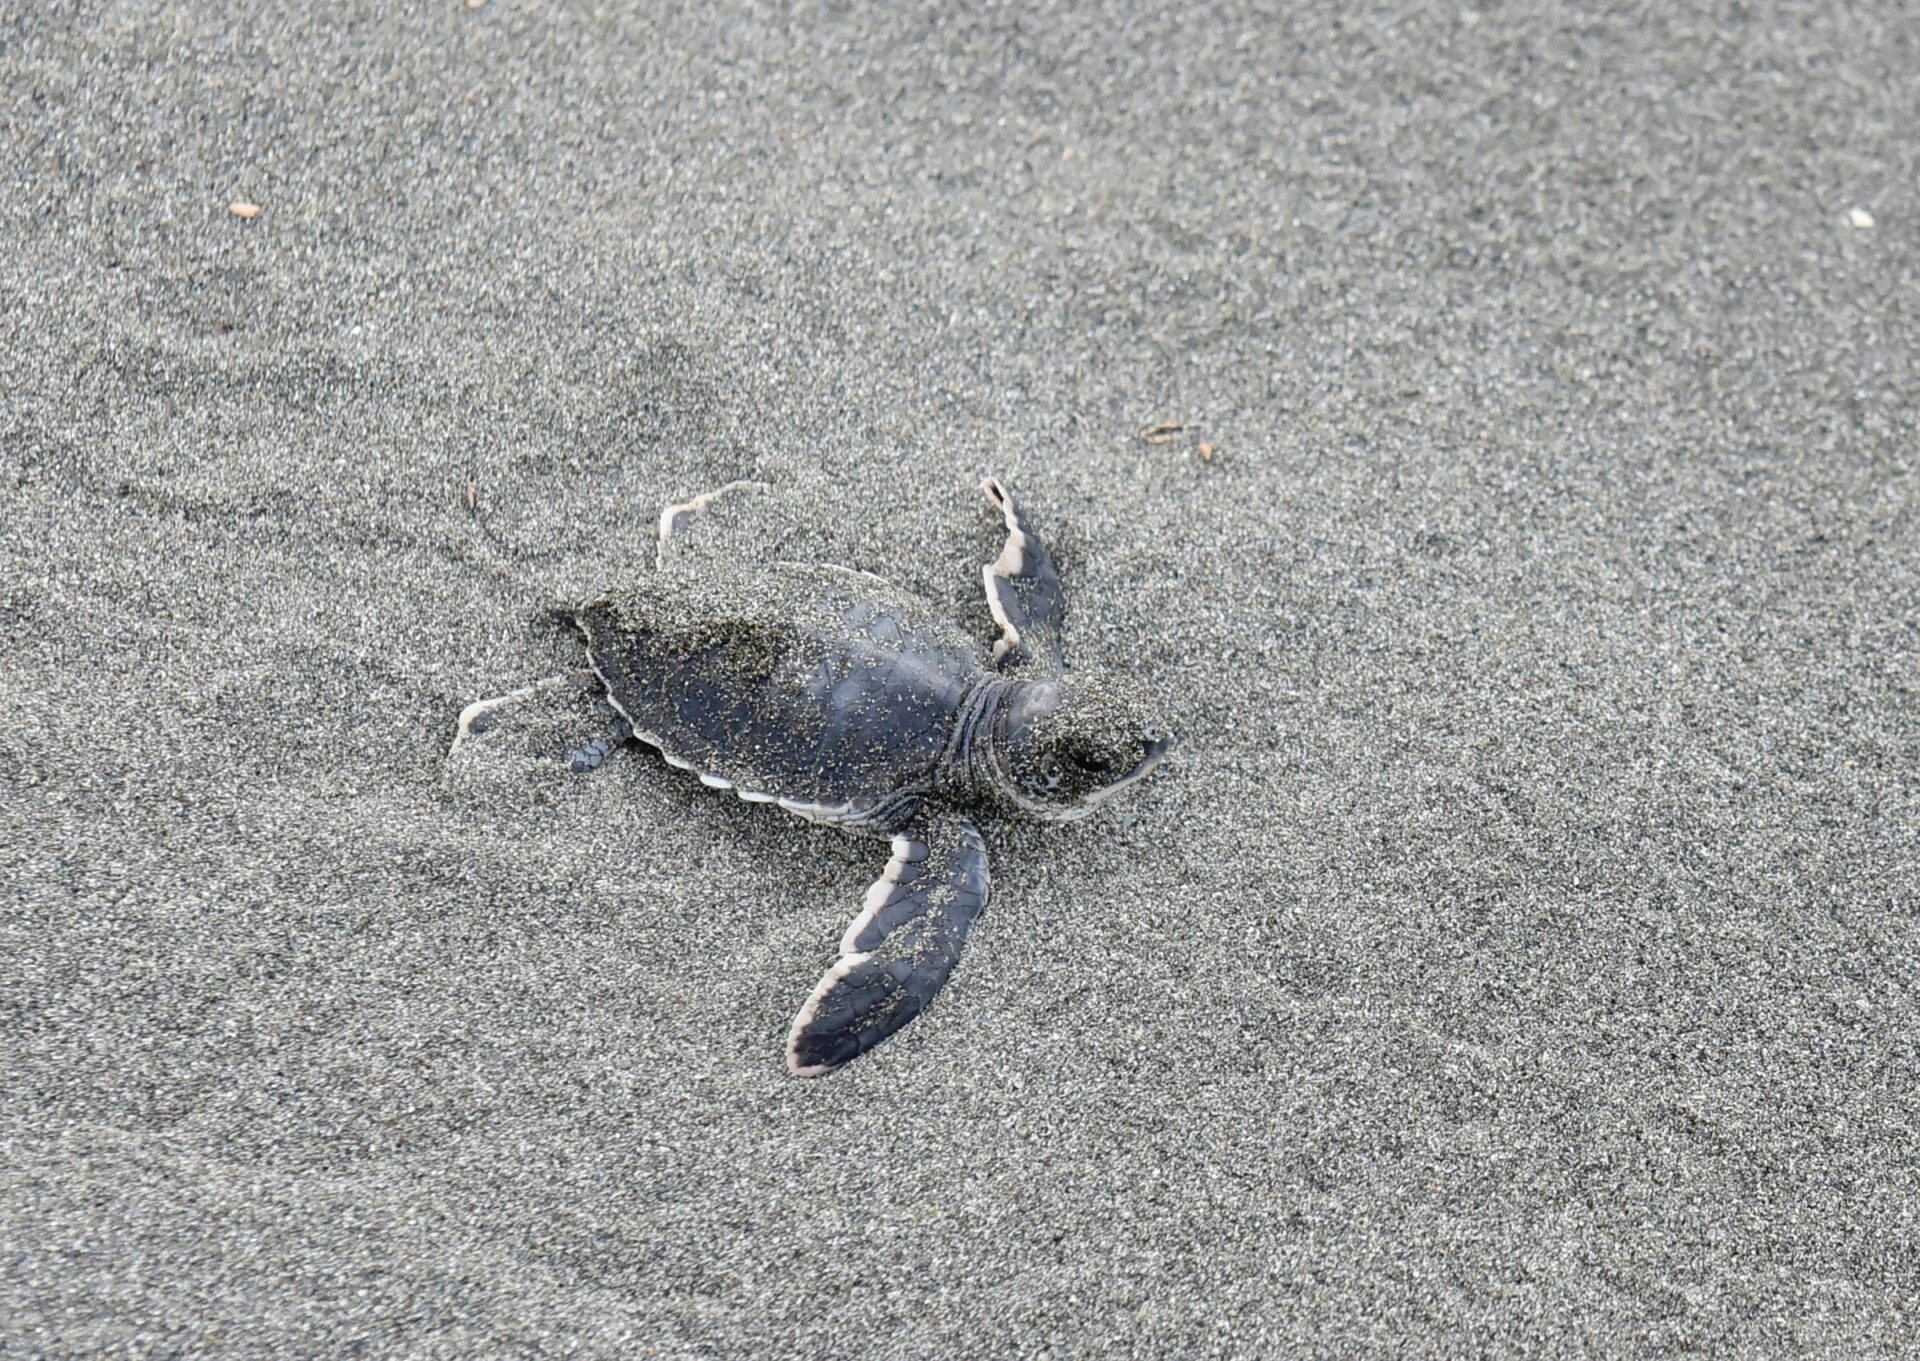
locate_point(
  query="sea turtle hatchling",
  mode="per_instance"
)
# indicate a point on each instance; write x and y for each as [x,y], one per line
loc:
[847,701]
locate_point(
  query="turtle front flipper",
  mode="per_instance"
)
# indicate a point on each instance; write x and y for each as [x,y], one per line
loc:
[899,950]
[1023,590]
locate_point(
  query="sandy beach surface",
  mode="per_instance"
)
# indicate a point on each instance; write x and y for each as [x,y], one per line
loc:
[1517,955]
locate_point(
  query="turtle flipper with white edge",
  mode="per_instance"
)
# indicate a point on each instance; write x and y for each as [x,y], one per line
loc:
[1023,591]
[849,701]
[727,521]
[742,524]
[534,727]
[899,950]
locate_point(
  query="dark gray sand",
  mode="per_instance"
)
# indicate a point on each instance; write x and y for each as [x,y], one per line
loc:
[1518,955]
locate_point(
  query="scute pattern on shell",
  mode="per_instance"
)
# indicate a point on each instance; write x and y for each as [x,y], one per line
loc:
[785,681]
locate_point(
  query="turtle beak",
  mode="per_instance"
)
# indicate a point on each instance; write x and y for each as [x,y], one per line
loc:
[1152,747]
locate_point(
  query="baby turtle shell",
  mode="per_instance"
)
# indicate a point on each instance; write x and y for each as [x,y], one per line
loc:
[848,701]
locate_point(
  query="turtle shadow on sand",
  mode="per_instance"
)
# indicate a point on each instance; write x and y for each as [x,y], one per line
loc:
[844,700]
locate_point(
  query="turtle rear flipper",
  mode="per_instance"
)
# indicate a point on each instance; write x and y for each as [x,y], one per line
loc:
[1023,590]
[534,731]
[899,950]
[730,521]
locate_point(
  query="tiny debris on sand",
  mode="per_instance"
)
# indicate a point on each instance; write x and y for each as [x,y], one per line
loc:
[1860,218]
[1161,433]
[241,208]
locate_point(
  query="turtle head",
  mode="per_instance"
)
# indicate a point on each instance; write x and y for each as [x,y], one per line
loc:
[1066,746]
